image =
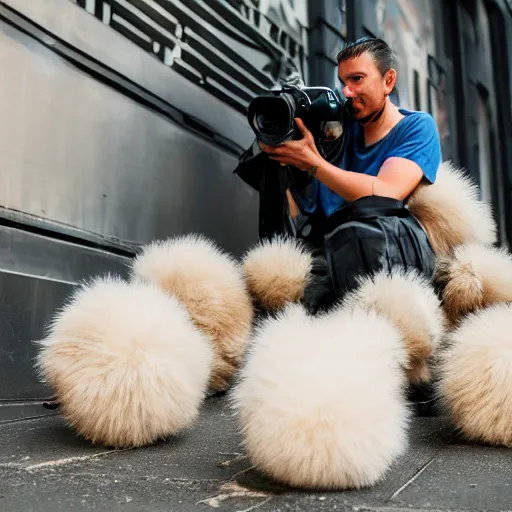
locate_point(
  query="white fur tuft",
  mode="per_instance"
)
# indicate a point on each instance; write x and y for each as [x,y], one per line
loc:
[210,284]
[126,363]
[476,376]
[277,272]
[409,301]
[474,278]
[320,399]
[451,212]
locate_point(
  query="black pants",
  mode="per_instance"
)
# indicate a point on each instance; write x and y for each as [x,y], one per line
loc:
[369,235]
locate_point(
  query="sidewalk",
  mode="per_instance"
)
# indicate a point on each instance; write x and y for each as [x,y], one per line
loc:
[45,467]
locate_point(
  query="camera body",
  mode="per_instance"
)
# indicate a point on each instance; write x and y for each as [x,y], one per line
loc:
[272,115]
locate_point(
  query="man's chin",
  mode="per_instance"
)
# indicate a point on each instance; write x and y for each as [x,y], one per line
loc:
[358,114]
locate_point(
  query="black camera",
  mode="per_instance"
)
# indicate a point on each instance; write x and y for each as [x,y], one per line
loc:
[272,115]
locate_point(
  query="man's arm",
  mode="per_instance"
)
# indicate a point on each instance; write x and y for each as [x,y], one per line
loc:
[397,178]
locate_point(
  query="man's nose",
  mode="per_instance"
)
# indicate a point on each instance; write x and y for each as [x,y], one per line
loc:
[347,92]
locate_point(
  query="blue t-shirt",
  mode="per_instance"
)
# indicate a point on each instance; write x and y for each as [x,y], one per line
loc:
[414,137]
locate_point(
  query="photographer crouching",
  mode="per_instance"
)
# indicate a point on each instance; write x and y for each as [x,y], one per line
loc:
[349,191]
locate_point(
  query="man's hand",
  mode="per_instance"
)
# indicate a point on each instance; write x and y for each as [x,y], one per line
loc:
[302,154]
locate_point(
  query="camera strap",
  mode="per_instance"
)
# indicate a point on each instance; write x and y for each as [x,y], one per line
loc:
[373,117]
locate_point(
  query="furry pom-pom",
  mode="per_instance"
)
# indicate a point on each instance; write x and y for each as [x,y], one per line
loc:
[476,376]
[210,284]
[451,212]
[474,278]
[409,301]
[127,364]
[320,400]
[277,271]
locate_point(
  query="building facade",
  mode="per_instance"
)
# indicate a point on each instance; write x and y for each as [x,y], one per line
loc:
[121,122]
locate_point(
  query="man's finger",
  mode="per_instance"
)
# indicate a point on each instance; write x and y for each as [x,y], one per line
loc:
[277,150]
[268,149]
[302,126]
[294,144]
[278,159]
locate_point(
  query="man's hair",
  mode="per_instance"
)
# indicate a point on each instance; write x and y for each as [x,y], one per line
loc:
[378,49]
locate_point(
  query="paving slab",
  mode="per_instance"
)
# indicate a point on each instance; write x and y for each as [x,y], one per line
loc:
[44,466]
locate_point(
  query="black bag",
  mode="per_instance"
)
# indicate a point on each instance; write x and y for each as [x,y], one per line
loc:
[362,238]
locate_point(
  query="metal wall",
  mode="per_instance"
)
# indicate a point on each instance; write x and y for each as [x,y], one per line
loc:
[82,163]
[37,275]
[76,151]
[108,141]
[121,122]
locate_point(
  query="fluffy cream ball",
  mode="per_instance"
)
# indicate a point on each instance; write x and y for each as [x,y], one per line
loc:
[474,278]
[409,301]
[126,363]
[210,284]
[320,400]
[277,271]
[451,212]
[476,376]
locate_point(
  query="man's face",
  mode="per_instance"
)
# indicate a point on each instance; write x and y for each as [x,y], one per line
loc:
[364,85]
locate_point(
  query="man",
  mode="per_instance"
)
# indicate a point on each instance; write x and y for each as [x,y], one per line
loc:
[389,150]
[357,222]
[356,209]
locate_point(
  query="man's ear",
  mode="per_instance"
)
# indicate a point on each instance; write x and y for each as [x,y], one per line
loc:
[390,80]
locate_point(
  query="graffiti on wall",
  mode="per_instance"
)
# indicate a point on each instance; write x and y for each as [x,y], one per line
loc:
[289,14]
[408,27]
[284,22]
[234,49]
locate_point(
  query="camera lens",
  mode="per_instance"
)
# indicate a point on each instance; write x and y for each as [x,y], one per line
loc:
[271,118]
[265,124]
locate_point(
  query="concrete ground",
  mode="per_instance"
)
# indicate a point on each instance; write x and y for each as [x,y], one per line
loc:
[45,467]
